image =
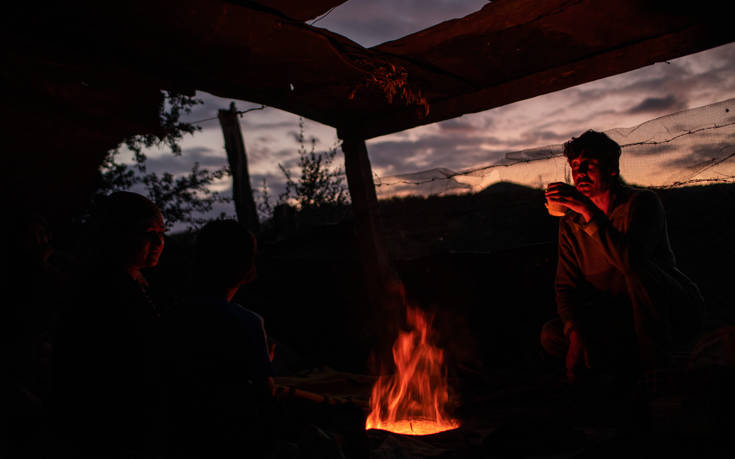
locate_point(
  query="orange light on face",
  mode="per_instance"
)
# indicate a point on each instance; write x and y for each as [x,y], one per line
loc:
[413,401]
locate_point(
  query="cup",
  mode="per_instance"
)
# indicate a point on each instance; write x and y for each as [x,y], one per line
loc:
[555,209]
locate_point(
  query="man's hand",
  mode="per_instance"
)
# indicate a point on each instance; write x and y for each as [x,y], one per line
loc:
[576,355]
[570,197]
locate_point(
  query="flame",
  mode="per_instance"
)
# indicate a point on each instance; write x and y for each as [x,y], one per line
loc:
[413,400]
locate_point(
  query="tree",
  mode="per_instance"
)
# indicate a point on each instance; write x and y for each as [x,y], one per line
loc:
[181,199]
[319,184]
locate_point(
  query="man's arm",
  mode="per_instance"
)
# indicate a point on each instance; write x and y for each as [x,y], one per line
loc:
[568,279]
[568,282]
[646,223]
[645,226]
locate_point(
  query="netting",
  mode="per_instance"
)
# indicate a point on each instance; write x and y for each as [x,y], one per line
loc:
[695,146]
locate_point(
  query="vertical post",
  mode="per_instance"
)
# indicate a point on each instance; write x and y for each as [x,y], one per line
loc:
[385,289]
[242,193]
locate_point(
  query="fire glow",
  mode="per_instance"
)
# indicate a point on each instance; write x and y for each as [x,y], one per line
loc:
[413,400]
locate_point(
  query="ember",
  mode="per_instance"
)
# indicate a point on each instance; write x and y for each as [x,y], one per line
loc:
[414,399]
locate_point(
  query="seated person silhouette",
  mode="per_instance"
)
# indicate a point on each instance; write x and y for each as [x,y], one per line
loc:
[30,304]
[621,300]
[108,380]
[222,386]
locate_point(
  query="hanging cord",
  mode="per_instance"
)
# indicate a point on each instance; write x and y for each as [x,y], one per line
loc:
[239,113]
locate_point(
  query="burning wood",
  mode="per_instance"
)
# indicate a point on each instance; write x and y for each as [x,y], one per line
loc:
[413,400]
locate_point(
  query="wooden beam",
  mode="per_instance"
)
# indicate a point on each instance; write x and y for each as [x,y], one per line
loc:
[233,51]
[242,192]
[365,206]
[594,67]
[511,50]
[384,287]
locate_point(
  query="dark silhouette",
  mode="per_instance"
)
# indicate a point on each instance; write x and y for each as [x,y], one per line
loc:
[30,305]
[222,389]
[108,386]
[622,301]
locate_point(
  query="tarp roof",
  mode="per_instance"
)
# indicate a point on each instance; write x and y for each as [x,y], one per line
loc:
[263,52]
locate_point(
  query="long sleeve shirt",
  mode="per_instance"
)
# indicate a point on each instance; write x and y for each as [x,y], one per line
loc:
[596,258]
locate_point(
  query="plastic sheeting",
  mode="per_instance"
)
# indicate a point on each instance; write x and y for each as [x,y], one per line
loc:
[692,147]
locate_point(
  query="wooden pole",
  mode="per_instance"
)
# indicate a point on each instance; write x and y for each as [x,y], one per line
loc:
[242,193]
[385,289]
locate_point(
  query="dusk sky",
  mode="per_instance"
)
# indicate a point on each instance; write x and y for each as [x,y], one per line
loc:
[624,100]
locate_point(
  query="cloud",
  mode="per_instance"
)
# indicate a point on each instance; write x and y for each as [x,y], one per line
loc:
[182,164]
[427,152]
[702,155]
[294,135]
[668,104]
[539,137]
[457,125]
[198,151]
[290,163]
[258,152]
[274,125]
[649,150]
[283,154]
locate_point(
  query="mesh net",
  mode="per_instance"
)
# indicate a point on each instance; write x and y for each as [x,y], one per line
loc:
[692,147]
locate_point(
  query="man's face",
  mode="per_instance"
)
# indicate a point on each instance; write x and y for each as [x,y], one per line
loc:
[590,178]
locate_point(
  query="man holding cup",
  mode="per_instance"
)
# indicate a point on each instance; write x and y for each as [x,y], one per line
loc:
[621,300]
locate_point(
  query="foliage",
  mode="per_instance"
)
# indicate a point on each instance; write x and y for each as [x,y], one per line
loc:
[264,205]
[181,199]
[319,184]
[185,199]
[392,81]
[171,129]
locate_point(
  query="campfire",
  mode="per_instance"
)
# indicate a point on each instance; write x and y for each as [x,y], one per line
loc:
[413,401]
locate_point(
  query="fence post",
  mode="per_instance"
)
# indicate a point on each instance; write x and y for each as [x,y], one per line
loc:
[242,192]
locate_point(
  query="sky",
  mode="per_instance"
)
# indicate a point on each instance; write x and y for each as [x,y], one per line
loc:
[620,101]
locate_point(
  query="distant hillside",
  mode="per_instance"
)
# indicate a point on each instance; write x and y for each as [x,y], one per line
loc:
[506,216]
[484,262]
[500,217]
